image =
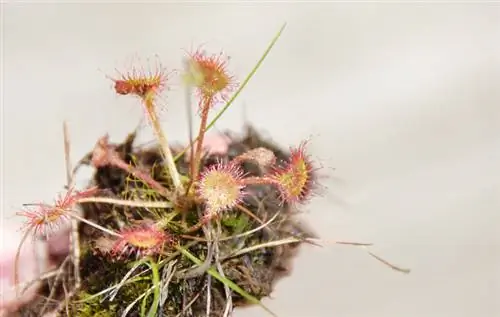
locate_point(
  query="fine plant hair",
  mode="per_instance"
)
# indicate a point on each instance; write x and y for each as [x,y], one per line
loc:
[163,230]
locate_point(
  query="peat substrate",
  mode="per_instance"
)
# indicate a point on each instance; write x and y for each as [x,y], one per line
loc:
[187,286]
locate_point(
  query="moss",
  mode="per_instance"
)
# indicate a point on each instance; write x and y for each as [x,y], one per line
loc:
[100,273]
[91,306]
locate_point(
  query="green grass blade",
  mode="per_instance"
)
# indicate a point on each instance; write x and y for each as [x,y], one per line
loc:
[225,281]
[156,284]
[247,79]
[242,86]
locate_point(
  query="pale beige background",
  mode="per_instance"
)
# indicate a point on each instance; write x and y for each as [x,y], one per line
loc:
[403,100]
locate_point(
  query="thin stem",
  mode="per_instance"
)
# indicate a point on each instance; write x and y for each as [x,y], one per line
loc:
[189,106]
[209,295]
[95,225]
[129,203]
[392,266]
[269,244]
[67,159]
[162,139]
[16,259]
[74,235]
[191,302]
[75,251]
[59,275]
[116,161]
[197,226]
[256,180]
[249,213]
[195,164]
[114,292]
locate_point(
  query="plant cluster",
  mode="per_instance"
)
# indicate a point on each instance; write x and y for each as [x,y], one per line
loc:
[177,232]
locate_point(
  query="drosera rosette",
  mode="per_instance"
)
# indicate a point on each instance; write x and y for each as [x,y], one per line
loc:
[43,219]
[144,83]
[220,187]
[208,73]
[141,240]
[297,177]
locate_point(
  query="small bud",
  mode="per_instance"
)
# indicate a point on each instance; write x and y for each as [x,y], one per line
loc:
[262,156]
[101,152]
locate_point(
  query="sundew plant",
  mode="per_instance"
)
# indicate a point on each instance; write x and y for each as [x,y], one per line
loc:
[169,231]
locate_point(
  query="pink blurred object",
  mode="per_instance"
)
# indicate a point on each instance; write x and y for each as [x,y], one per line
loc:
[59,242]
[33,261]
[213,144]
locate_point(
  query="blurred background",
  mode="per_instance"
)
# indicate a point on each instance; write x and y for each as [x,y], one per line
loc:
[402,100]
